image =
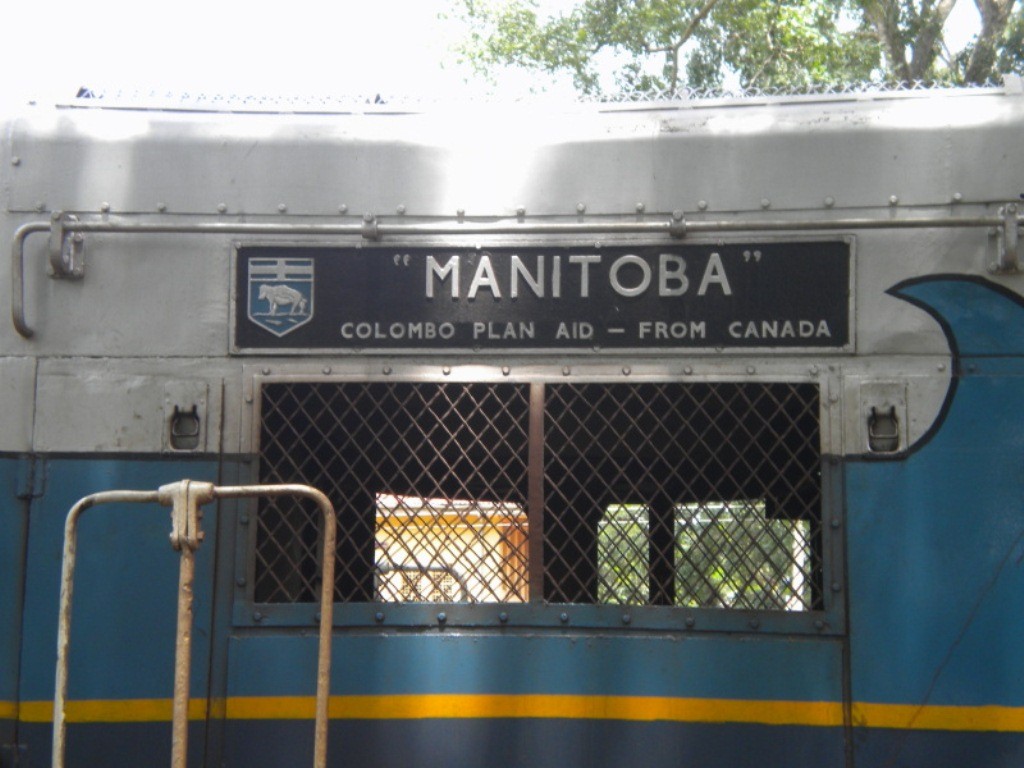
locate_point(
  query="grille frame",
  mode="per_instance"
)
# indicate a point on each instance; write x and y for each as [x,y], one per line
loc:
[826,619]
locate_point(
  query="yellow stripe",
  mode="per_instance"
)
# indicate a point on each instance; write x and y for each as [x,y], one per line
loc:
[939,718]
[463,706]
[111,711]
[484,706]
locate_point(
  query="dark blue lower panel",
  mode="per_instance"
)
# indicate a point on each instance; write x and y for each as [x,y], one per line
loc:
[936,749]
[532,743]
[111,745]
[526,743]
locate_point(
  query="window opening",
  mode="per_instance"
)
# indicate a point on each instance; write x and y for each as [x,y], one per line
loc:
[448,551]
[670,494]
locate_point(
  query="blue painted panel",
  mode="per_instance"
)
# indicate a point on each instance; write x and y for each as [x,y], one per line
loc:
[13,512]
[708,666]
[123,627]
[936,541]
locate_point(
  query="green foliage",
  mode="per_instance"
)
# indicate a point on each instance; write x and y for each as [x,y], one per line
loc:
[672,44]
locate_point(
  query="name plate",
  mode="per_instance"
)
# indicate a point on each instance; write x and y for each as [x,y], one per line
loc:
[756,296]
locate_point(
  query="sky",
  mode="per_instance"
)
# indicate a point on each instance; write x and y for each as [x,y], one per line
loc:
[231,47]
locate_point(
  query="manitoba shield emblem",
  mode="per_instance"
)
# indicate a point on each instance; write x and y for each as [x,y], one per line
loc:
[280,293]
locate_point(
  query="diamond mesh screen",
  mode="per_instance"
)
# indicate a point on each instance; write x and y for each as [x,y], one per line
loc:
[663,494]
[428,480]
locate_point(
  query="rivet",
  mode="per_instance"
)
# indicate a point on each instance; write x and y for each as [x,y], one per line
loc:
[640,207]
[520,211]
[893,200]
[581,207]
[834,522]
[400,210]
[15,160]
[830,201]
[265,371]
[688,370]
[40,205]
[386,370]
[442,617]
[378,617]
[836,587]
[505,370]
[833,399]
[677,215]
[957,197]
[819,624]
[282,208]
[243,520]
[316,617]
[222,207]
[78,237]
[248,398]
[503,617]
[690,621]
[626,618]
[446,370]
[754,623]
[162,207]
[766,203]
[941,367]
[342,208]
[564,618]
[461,213]
[626,370]
[327,370]
[751,369]
[257,616]
[367,217]
[703,205]
[566,370]
[814,370]
[972,368]
[240,581]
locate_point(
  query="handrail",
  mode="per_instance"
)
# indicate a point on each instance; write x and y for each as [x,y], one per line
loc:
[1006,223]
[185,498]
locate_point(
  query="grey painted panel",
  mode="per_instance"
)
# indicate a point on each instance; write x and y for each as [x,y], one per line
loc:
[102,406]
[490,161]
[17,393]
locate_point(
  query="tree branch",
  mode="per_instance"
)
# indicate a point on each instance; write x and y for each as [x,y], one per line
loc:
[995,15]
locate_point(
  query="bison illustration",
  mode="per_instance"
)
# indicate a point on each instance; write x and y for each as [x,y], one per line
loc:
[281,296]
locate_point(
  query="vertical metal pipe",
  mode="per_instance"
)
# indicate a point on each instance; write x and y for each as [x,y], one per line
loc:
[183,659]
[323,672]
[67,583]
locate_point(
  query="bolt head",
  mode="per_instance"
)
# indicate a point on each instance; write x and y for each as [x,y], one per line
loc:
[581,207]
[222,207]
[703,205]
[766,203]
[830,201]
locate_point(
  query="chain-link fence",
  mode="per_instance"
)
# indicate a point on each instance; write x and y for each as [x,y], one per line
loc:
[649,494]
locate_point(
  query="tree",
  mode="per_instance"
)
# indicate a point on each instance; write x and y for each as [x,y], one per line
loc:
[668,44]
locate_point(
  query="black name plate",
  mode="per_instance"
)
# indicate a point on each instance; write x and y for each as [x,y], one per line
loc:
[775,295]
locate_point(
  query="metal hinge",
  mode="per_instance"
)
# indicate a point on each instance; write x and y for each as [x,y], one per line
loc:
[32,472]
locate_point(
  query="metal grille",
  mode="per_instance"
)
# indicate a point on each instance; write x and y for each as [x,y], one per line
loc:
[673,494]
[429,481]
[653,494]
